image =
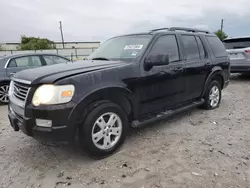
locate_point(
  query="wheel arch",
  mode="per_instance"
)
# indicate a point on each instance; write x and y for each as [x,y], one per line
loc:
[119,95]
[216,74]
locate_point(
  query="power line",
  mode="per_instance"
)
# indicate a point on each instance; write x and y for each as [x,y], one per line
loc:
[61,33]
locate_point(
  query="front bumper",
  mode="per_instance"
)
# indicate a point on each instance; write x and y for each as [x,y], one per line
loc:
[59,131]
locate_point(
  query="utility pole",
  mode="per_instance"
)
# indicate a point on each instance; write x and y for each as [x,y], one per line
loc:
[61,33]
[221,27]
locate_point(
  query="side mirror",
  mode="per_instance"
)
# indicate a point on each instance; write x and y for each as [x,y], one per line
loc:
[156,60]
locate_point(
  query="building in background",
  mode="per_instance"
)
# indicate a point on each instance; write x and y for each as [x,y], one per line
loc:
[72,50]
[59,45]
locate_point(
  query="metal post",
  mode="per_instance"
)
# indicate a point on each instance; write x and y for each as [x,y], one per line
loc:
[221,27]
[61,33]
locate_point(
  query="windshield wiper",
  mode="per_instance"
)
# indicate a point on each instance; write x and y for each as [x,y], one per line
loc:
[101,58]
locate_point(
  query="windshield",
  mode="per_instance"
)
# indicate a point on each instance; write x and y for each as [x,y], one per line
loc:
[237,43]
[125,48]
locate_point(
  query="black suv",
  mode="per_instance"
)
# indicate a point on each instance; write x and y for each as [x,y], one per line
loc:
[130,80]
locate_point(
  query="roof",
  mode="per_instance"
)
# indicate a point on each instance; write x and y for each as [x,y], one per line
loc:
[172,30]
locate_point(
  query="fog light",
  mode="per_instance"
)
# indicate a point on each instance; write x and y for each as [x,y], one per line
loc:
[43,123]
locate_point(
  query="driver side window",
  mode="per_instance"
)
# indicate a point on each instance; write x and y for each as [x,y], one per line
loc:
[166,45]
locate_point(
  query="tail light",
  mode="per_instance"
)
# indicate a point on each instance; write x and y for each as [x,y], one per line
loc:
[247,51]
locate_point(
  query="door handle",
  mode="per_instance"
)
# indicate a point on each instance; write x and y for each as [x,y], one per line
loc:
[207,63]
[13,73]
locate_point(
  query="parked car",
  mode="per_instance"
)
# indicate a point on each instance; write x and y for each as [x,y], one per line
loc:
[10,65]
[130,80]
[238,49]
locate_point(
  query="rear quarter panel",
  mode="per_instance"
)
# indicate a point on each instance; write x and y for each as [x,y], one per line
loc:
[218,64]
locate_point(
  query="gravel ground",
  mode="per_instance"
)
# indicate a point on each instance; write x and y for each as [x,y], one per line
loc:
[194,149]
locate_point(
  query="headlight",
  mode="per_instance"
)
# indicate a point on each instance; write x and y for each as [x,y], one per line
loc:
[53,94]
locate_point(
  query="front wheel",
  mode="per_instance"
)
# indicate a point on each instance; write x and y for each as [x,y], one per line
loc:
[104,129]
[4,98]
[213,95]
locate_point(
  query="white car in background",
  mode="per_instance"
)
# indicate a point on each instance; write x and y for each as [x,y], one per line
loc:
[238,49]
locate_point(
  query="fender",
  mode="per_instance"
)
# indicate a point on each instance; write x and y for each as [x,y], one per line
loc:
[216,71]
[95,94]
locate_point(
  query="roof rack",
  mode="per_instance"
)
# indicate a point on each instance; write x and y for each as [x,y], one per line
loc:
[188,30]
[164,28]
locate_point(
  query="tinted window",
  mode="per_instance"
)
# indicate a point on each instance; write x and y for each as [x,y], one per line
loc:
[217,46]
[28,61]
[167,45]
[201,48]
[191,47]
[237,43]
[50,60]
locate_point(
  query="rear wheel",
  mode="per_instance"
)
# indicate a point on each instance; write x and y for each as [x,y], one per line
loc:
[213,95]
[104,129]
[4,98]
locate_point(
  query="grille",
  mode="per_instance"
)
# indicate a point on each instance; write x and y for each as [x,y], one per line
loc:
[20,90]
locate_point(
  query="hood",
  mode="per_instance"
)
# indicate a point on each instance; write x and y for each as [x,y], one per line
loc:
[51,73]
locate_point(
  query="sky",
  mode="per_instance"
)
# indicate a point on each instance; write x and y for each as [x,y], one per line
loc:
[98,20]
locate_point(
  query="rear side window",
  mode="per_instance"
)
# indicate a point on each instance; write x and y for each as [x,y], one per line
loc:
[167,45]
[12,63]
[201,48]
[217,46]
[191,47]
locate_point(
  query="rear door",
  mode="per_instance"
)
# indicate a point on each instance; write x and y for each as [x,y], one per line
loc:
[197,65]
[21,63]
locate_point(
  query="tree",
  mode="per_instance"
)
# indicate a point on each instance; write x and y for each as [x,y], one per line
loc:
[221,35]
[35,43]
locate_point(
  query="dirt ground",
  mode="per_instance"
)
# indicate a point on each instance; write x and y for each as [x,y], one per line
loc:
[194,149]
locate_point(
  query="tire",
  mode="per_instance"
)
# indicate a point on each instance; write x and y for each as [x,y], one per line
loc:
[4,99]
[108,139]
[216,96]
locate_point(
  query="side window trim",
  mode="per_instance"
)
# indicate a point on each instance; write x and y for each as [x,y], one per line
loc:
[178,46]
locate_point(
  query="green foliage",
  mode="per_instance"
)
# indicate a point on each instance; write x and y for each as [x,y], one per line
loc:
[35,43]
[221,35]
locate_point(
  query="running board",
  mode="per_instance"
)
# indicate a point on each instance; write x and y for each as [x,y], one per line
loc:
[168,113]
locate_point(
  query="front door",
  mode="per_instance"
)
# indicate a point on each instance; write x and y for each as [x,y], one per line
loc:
[163,86]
